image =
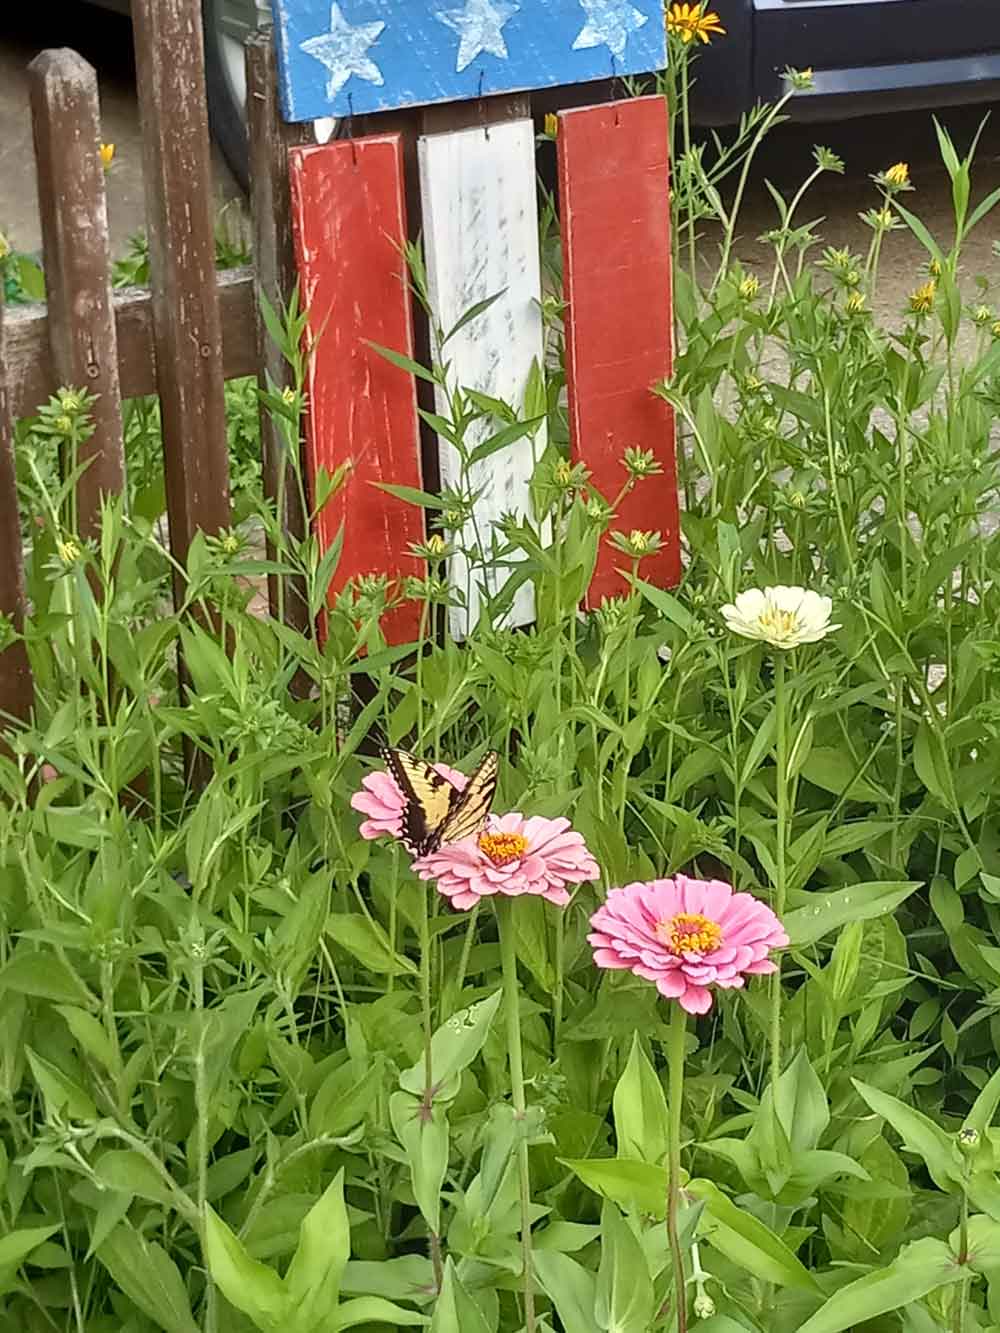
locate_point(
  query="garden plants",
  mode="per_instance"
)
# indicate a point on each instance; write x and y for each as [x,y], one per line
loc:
[698,1026]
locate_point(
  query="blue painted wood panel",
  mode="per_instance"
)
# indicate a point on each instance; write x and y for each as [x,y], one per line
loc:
[353,56]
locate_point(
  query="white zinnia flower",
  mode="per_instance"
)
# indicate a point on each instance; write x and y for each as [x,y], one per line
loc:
[782,617]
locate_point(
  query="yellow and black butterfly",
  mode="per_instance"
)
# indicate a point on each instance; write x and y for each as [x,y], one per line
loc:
[436,811]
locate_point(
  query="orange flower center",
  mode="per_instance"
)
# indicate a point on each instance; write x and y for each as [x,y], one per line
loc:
[689,932]
[502,848]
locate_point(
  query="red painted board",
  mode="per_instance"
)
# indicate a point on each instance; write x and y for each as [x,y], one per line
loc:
[614,192]
[349,220]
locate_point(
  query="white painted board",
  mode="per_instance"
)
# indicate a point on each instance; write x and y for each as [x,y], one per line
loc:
[480,216]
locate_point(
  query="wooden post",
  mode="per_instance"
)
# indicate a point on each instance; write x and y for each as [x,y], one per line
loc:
[274,260]
[187,326]
[16,687]
[73,208]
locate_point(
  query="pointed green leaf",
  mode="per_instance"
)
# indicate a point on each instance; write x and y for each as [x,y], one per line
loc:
[920,1268]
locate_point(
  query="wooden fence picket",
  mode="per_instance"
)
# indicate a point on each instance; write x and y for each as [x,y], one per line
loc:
[77,259]
[170,66]
[16,686]
[275,277]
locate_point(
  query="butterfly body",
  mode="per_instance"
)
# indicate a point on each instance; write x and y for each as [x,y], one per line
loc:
[436,811]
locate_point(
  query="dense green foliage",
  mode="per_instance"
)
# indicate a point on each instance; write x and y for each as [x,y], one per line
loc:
[214,995]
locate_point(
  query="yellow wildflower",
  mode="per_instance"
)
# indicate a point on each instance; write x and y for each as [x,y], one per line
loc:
[107,151]
[436,544]
[749,287]
[922,300]
[689,21]
[855,303]
[68,551]
[552,125]
[4,246]
[898,175]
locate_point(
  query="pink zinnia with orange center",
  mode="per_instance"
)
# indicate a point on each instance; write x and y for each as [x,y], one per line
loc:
[383,802]
[686,935]
[513,856]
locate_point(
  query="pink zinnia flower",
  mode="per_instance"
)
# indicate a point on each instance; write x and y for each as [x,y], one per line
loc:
[514,855]
[382,801]
[687,935]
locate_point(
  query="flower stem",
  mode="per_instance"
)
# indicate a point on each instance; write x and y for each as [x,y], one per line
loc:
[780,707]
[425,1001]
[511,1000]
[675,1062]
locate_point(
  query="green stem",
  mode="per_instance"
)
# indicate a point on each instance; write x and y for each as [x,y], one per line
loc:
[425,1002]
[512,1002]
[675,1063]
[962,1294]
[780,706]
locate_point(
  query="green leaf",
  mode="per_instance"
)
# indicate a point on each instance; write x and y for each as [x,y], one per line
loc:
[456,1311]
[343,1099]
[625,1297]
[424,1138]
[635,1186]
[317,1267]
[91,1036]
[372,1310]
[130,1173]
[45,977]
[473,312]
[423,499]
[919,1269]
[800,1103]
[984,1107]
[403,362]
[149,1278]
[642,1126]
[368,943]
[746,1241]
[62,1096]
[919,1133]
[15,1246]
[570,1288]
[830,910]
[247,1285]
[455,1045]
[667,605]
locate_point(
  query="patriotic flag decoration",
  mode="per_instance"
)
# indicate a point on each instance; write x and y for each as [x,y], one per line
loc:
[476,215]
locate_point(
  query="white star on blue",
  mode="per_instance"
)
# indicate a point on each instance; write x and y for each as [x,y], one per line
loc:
[610,23]
[480,26]
[344,51]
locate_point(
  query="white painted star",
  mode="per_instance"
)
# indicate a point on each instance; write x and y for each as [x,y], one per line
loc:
[344,51]
[610,23]
[480,26]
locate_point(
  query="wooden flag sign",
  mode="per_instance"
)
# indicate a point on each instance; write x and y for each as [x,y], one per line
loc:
[356,56]
[478,223]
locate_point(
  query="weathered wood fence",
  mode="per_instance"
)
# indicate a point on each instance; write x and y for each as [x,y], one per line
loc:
[181,338]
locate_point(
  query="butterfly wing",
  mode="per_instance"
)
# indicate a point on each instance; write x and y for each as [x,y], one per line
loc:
[430,798]
[472,805]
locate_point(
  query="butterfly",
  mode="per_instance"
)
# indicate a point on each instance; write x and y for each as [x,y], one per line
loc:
[436,811]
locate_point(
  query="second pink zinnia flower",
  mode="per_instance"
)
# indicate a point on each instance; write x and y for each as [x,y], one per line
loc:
[513,856]
[686,935]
